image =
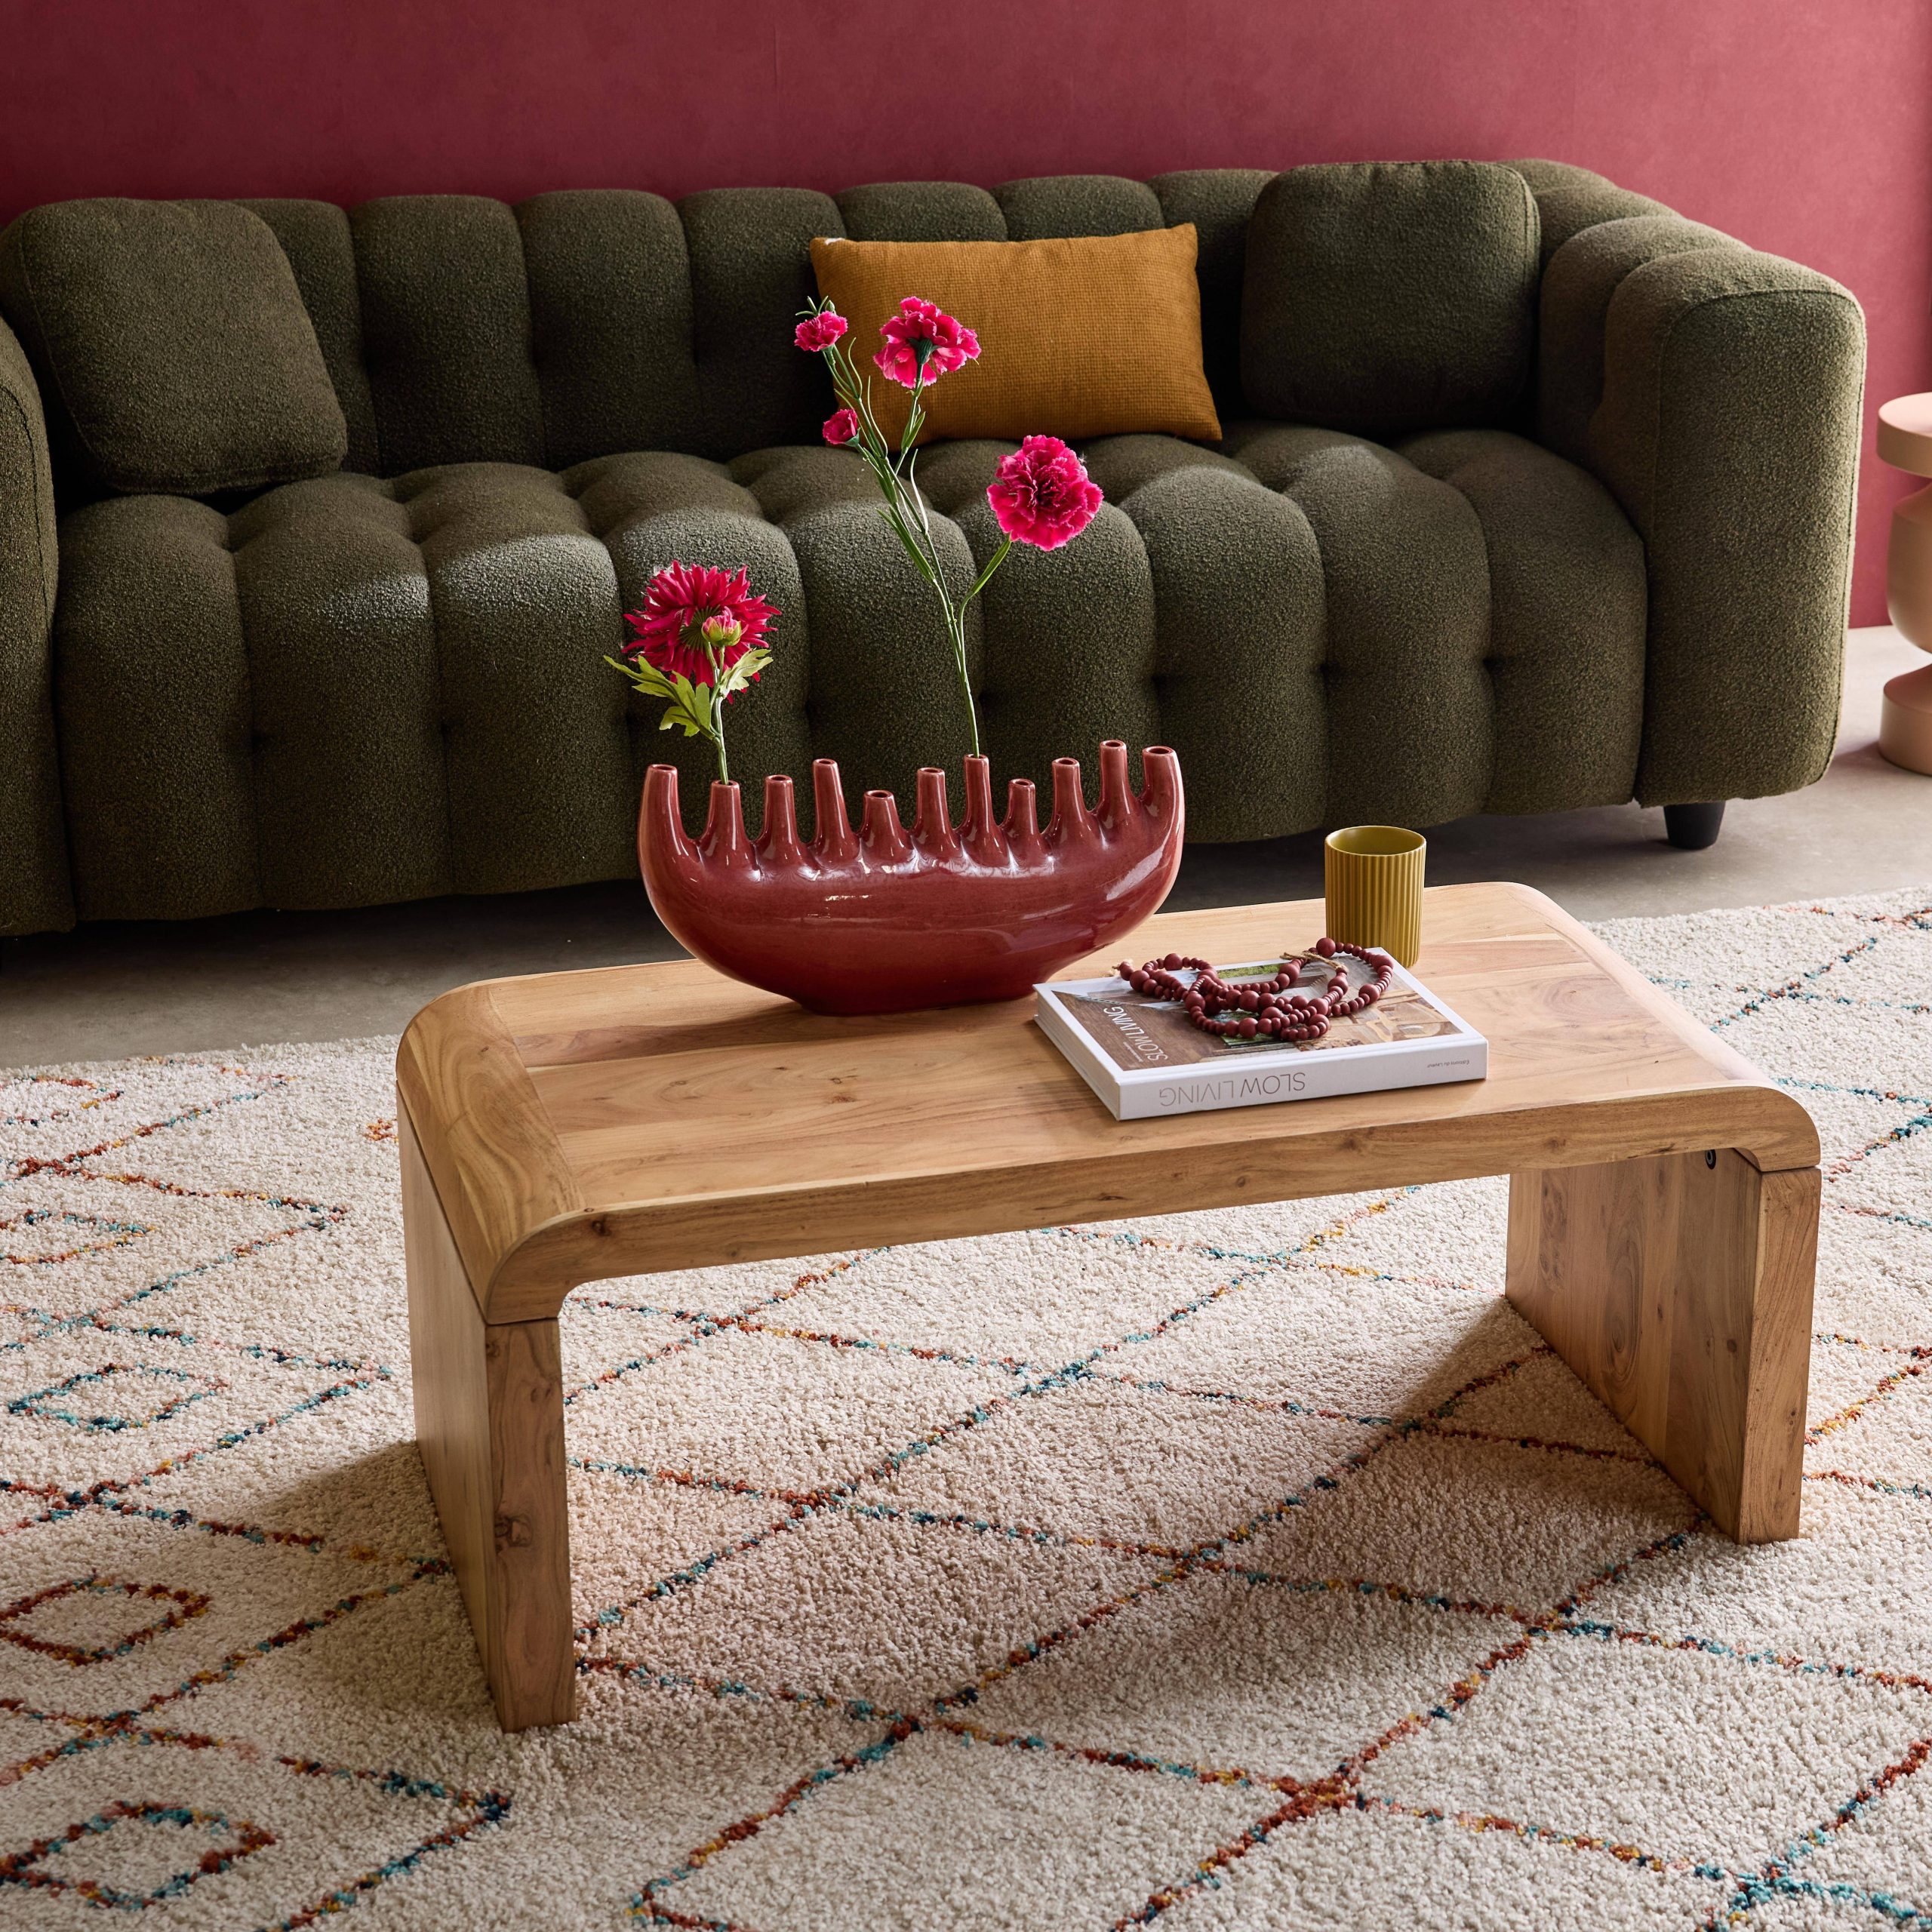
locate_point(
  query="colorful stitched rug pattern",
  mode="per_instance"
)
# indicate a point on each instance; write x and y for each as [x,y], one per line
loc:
[1256,1569]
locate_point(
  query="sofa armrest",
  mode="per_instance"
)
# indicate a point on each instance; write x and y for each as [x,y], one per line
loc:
[34,890]
[1717,392]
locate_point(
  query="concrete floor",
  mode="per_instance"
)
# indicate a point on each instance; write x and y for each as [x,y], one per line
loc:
[104,990]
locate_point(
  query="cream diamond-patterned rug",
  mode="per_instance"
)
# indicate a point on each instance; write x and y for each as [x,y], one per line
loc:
[1257,1569]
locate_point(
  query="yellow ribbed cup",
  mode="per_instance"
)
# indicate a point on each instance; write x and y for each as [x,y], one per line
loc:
[1372,874]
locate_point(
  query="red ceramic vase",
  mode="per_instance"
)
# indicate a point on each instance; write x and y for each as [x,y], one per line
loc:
[945,917]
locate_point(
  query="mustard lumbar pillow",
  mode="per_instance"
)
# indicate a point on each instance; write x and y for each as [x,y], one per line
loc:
[1088,335]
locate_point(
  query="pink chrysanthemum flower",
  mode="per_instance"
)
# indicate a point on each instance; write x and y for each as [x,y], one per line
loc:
[922,336]
[841,428]
[1042,495]
[818,333]
[691,612]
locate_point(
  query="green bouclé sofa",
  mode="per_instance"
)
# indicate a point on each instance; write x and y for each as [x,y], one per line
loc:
[316,525]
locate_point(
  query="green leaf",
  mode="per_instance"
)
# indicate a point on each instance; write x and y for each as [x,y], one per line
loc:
[747,668]
[896,524]
[687,710]
[993,563]
[882,475]
[646,678]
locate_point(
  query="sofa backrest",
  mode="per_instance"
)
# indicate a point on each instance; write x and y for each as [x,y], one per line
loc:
[590,321]
[587,322]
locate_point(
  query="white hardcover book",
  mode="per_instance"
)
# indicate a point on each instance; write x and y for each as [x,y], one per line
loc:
[1143,1057]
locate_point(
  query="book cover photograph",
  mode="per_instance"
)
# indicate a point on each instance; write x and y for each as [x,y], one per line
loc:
[1143,1056]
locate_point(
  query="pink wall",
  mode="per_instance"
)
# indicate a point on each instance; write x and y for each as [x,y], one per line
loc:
[1803,126]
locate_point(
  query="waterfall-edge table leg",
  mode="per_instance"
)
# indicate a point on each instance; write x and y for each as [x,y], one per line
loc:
[1679,1288]
[490,1424]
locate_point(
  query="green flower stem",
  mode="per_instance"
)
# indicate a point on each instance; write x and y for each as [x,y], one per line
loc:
[718,716]
[955,614]
[956,629]
[856,394]
[914,414]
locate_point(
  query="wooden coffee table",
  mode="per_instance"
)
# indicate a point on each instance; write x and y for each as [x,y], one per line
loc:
[1663,1197]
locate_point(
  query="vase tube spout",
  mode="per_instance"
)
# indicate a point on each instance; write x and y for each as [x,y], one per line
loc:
[1072,823]
[1161,794]
[724,841]
[660,821]
[1117,801]
[834,844]
[778,840]
[932,829]
[979,829]
[1023,821]
[881,835]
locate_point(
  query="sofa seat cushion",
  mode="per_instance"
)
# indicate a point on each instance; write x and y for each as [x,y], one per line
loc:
[1348,633]
[352,690]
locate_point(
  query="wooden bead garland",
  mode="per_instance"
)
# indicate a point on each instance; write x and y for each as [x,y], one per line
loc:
[1262,1008]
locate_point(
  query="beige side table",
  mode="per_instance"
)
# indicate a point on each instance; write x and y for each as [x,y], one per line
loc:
[1905,442]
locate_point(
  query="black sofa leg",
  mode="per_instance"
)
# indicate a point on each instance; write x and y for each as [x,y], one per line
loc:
[1690,828]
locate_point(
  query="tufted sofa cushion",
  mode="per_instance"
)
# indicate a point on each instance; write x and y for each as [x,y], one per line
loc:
[380,690]
[1382,296]
[172,347]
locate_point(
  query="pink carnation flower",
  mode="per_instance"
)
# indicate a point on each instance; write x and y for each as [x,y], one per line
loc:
[841,428]
[691,611]
[922,336]
[1042,495]
[818,333]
